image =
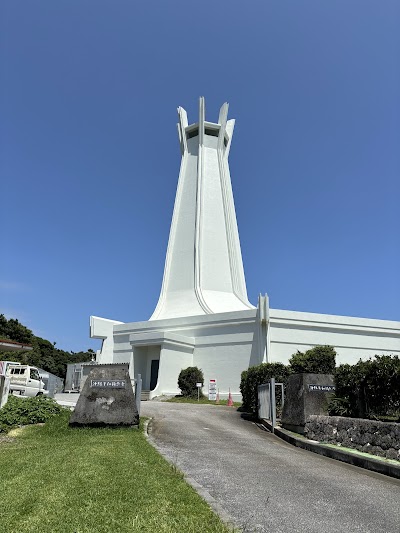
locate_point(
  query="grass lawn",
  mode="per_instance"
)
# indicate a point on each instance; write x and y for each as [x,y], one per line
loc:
[72,480]
[181,399]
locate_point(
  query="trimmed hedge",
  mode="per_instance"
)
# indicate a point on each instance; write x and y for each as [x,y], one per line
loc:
[368,389]
[257,375]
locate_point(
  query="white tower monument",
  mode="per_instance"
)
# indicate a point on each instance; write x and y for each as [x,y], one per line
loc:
[203,317]
[203,269]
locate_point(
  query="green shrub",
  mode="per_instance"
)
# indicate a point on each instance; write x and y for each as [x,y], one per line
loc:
[369,388]
[257,375]
[24,411]
[187,380]
[317,360]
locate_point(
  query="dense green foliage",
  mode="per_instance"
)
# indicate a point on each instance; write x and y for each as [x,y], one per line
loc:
[187,380]
[25,411]
[317,360]
[55,479]
[257,375]
[368,389]
[44,354]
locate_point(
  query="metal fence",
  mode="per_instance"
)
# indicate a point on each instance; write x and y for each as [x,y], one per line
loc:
[267,408]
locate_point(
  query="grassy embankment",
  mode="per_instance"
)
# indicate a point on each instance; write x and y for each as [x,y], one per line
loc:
[57,479]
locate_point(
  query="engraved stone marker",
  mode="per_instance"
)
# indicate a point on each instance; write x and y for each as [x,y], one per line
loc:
[306,394]
[107,398]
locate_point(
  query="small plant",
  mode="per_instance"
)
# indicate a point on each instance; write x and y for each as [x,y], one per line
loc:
[24,411]
[187,380]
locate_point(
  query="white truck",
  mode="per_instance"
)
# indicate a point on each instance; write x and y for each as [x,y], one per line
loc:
[25,380]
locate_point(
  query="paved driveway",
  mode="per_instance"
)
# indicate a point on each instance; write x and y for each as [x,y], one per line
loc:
[266,484]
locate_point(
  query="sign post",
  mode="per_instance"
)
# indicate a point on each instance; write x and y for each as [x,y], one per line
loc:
[198,385]
[212,389]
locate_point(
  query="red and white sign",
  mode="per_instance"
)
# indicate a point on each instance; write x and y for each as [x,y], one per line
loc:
[212,389]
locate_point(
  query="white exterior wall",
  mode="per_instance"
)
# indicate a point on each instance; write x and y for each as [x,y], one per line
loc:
[225,344]
[353,338]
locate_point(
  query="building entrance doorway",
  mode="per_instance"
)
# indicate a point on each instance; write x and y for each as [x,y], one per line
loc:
[155,364]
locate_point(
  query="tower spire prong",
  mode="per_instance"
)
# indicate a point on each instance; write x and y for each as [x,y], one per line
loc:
[223,116]
[182,125]
[202,118]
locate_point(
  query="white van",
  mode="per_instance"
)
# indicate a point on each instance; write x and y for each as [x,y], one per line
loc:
[25,380]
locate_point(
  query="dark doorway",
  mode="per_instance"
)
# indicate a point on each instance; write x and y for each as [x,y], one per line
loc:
[155,363]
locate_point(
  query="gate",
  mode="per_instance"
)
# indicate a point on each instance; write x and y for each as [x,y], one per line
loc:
[267,401]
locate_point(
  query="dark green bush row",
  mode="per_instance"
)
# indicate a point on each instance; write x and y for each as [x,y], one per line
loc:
[368,389]
[24,411]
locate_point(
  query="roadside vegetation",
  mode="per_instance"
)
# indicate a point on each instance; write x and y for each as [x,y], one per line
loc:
[367,389]
[23,411]
[60,479]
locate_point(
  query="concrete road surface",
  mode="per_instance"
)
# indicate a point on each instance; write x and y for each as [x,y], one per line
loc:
[266,484]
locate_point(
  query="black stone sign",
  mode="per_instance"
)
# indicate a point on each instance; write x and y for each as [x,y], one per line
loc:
[103,383]
[306,394]
[107,398]
[323,388]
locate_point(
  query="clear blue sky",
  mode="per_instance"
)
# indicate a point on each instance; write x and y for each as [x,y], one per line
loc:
[89,156]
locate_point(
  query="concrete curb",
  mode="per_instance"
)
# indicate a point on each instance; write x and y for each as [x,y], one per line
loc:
[378,465]
[201,491]
[63,403]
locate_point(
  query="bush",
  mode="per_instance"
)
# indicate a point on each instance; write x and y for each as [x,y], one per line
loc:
[317,360]
[187,380]
[369,389]
[24,411]
[257,375]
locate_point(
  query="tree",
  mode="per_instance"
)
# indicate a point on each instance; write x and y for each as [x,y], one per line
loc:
[12,329]
[44,353]
[187,380]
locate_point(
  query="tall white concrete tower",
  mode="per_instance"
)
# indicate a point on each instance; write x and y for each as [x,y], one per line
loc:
[203,271]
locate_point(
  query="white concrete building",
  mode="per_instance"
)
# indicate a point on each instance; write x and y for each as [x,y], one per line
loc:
[203,317]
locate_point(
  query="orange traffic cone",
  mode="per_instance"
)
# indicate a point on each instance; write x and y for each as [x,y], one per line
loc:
[230,401]
[217,398]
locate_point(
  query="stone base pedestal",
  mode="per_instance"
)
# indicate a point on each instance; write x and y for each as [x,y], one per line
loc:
[306,394]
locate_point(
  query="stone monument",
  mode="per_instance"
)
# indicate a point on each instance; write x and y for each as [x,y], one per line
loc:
[306,394]
[107,398]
